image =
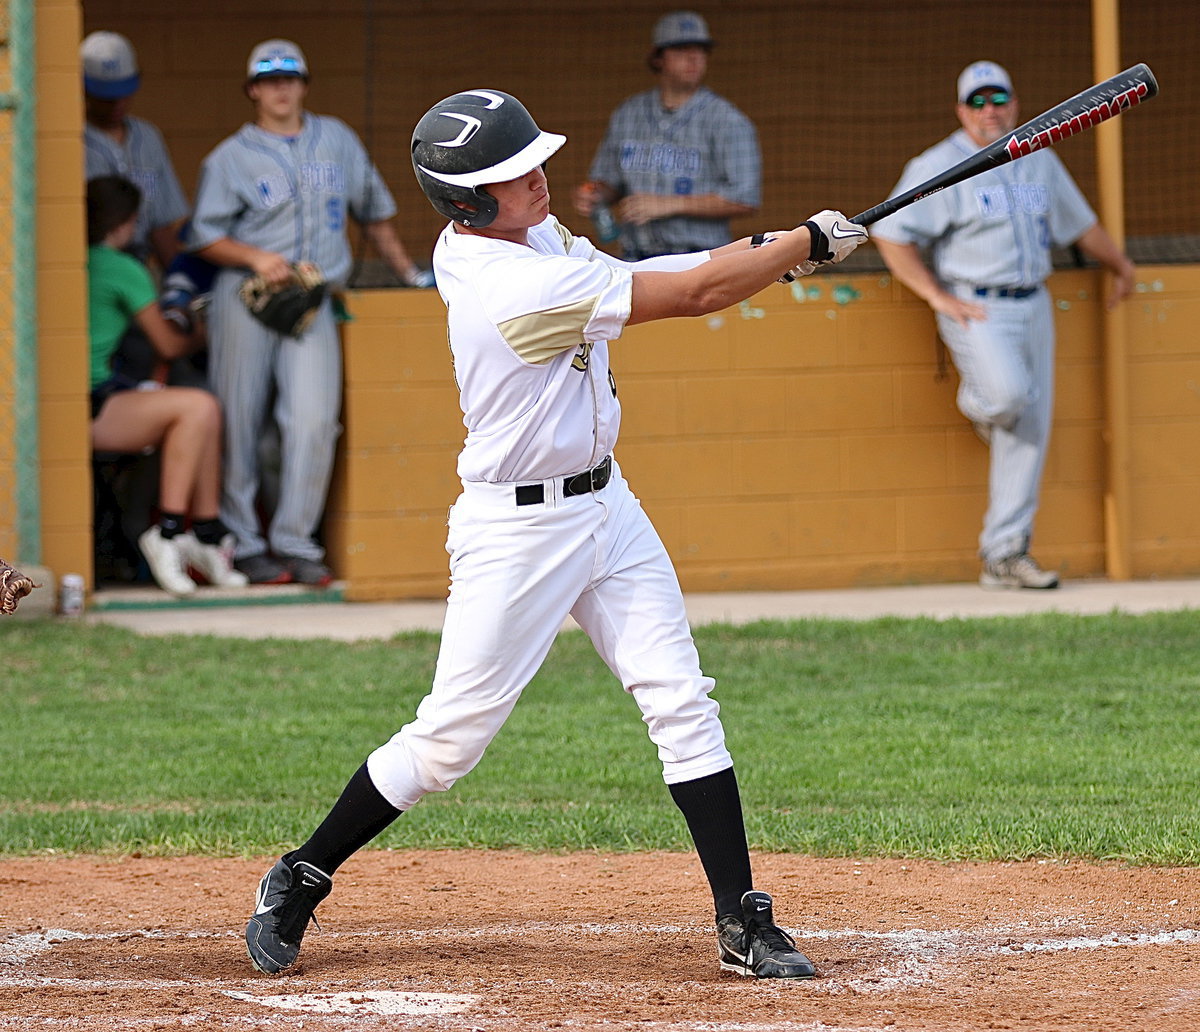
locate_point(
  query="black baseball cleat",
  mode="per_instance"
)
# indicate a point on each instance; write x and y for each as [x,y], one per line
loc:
[755,946]
[287,897]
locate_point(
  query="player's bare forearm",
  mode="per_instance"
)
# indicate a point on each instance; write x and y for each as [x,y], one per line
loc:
[905,264]
[1097,244]
[733,274]
[272,267]
[169,341]
[386,241]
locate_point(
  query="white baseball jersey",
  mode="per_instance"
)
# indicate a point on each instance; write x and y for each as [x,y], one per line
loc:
[529,334]
[142,159]
[993,230]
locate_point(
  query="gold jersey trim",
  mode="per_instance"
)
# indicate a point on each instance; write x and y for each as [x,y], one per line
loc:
[540,336]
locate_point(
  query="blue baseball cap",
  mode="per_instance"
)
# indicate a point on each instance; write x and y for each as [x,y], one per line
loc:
[110,68]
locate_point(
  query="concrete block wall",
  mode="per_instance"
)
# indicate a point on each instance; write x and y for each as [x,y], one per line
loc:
[65,448]
[801,440]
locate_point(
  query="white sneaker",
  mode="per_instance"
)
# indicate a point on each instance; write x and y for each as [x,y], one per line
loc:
[215,562]
[165,557]
[1017,571]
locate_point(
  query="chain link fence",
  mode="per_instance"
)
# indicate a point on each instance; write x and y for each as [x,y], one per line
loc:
[8,435]
[20,530]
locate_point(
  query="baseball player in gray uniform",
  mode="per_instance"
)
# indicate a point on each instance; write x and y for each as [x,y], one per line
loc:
[279,191]
[546,524]
[989,242]
[681,160]
[117,143]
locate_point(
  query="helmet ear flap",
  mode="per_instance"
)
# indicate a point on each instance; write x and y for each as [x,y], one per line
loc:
[468,206]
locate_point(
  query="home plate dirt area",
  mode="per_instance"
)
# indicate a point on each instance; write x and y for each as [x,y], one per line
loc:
[514,941]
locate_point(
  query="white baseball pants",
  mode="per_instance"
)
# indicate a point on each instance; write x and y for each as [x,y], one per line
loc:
[516,572]
[1006,366]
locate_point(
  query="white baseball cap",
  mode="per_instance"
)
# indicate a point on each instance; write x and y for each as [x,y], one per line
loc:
[276,57]
[681,29]
[982,75]
[110,68]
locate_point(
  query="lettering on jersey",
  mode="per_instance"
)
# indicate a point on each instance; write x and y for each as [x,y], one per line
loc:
[273,190]
[993,201]
[1001,200]
[582,357]
[322,177]
[663,158]
[335,217]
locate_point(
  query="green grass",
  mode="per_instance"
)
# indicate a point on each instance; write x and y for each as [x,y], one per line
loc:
[1042,736]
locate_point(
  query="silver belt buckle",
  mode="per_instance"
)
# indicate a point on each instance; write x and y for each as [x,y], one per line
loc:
[598,475]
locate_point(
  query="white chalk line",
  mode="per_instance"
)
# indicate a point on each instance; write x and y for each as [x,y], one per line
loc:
[386,1002]
[919,957]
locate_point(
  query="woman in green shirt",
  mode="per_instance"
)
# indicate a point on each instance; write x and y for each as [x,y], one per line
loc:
[183,423]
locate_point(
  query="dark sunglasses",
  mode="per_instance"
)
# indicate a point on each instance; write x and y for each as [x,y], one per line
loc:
[997,99]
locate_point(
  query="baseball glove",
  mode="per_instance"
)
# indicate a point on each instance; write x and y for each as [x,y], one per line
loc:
[14,586]
[287,307]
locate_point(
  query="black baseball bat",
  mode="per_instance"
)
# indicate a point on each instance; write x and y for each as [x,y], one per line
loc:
[1097,104]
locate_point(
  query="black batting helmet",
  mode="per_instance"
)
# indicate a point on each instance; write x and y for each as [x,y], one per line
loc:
[469,140]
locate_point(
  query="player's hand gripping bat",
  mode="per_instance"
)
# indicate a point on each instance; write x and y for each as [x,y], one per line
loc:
[1097,104]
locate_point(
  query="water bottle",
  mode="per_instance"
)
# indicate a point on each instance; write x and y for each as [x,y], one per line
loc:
[603,219]
[70,600]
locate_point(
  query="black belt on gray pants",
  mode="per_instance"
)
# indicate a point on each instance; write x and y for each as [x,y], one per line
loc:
[1013,292]
[581,483]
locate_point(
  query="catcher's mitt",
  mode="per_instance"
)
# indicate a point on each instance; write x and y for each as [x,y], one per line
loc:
[14,586]
[286,307]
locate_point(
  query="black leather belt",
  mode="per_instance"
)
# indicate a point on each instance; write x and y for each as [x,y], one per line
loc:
[581,483]
[1013,292]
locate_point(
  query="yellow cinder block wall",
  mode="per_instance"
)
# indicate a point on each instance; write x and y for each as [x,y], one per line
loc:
[62,295]
[804,439]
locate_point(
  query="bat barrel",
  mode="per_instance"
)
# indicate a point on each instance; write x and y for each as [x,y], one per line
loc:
[1083,111]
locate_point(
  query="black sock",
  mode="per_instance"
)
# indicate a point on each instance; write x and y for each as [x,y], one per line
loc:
[358,816]
[209,532]
[171,523]
[713,811]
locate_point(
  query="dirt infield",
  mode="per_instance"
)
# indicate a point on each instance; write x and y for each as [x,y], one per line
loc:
[516,942]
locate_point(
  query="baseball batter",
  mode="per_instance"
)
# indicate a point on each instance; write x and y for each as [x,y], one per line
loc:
[546,524]
[117,143]
[681,160]
[281,190]
[989,242]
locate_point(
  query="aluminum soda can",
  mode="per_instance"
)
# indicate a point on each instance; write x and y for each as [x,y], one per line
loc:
[70,599]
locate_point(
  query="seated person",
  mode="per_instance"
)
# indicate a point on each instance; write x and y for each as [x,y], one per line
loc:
[128,416]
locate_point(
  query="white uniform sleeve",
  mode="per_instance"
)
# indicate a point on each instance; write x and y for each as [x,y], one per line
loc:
[217,205]
[368,198]
[1070,214]
[919,223]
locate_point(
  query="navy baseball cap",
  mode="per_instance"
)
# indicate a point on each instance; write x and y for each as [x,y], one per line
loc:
[110,68]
